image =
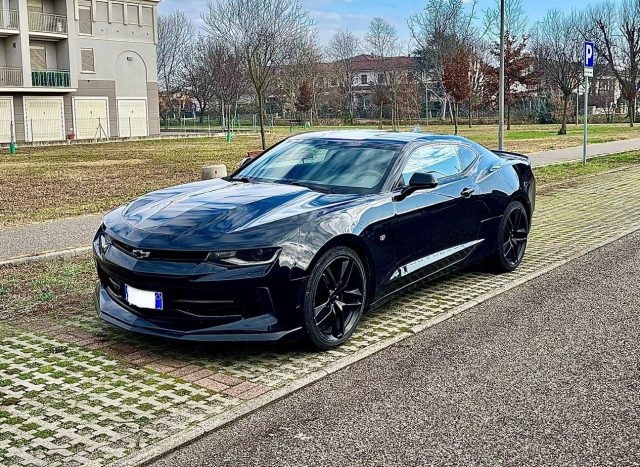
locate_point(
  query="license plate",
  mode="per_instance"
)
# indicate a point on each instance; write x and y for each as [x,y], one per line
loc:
[143,298]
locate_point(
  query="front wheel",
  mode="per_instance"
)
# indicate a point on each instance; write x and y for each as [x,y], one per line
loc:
[513,234]
[335,298]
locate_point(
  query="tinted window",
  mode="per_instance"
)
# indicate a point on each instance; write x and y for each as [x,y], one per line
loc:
[467,156]
[440,159]
[336,165]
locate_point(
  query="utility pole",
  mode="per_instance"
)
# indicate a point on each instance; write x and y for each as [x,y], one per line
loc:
[501,83]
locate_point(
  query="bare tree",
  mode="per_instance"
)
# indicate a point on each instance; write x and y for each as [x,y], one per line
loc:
[457,80]
[263,32]
[175,33]
[196,74]
[515,19]
[382,42]
[227,74]
[439,30]
[342,47]
[558,51]
[615,29]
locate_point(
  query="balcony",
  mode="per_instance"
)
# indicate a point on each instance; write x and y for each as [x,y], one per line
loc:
[9,20]
[47,24]
[50,78]
[10,77]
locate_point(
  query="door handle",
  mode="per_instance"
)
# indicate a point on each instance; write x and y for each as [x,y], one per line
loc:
[467,192]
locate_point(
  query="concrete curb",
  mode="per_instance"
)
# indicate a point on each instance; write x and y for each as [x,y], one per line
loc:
[186,437]
[57,254]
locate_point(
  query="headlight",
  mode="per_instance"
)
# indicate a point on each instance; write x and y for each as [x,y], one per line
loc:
[255,257]
[105,242]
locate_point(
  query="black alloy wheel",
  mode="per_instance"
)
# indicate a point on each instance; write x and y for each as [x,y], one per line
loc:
[335,298]
[512,238]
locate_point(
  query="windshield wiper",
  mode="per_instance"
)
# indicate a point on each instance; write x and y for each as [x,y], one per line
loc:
[311,186]
[240,179]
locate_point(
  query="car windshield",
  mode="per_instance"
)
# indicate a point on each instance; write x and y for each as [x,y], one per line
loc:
[335,166]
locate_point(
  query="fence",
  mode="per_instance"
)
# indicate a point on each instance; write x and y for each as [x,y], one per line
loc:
[9,19]
[10,76]
[51,78]
[46,22]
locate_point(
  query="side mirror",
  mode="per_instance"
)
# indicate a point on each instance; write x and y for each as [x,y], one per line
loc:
[418,181]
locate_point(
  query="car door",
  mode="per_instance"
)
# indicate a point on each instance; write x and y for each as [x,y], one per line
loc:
[433,225]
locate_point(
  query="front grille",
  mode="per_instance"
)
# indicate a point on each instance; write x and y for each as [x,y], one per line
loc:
[161,255]
[187,307]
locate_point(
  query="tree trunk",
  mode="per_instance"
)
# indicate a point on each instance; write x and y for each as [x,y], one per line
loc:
[455,119]
[469,112]
[508,117]
[380,117]
[261,119]
[632,111]
[565,105]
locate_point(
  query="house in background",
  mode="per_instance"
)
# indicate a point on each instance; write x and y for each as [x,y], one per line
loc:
[81,67]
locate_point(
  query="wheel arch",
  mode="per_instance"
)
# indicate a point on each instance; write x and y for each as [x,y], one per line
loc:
[357,244]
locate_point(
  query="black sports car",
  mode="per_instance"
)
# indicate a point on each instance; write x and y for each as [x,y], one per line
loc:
[302,239]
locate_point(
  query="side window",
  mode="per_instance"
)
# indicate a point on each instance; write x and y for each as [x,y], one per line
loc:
[441,159]
[467,156]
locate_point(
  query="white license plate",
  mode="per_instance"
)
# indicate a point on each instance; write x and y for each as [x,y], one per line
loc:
[143,298]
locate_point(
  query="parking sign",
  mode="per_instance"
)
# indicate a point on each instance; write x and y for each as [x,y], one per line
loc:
[588,56]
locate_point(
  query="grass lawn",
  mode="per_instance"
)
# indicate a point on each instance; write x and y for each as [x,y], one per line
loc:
[60,181]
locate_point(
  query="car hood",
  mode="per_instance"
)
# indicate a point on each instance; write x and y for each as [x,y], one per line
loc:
[216,208]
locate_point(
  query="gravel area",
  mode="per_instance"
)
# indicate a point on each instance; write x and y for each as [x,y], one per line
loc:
[546,374]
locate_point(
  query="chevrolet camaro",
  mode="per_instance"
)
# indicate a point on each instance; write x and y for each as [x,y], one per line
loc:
[303,239]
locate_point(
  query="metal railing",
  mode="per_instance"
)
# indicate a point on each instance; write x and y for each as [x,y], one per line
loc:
[9,19]
[46,22]
[10,76]
[51,78]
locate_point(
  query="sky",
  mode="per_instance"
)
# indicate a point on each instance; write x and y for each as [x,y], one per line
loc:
[355,15]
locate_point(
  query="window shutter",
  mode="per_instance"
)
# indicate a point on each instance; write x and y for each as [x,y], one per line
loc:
[86,60]
[38,58]
[86,23]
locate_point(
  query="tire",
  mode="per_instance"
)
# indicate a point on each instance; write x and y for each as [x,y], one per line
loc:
[335,298]
[512,237]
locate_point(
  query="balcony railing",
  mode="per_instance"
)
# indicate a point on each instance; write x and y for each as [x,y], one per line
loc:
[10,76]
[45,22]
[9,19]
[50,78]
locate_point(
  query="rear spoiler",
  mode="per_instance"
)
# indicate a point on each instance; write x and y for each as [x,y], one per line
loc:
[513,156]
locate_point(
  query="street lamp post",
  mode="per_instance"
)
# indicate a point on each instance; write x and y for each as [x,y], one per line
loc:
[501,83]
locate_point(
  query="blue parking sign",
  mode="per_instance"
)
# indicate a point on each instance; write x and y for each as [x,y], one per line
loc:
[589,54]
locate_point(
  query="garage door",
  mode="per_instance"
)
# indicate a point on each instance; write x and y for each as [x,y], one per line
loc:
[6,119]
[132,117]
[44,119]
[91,118]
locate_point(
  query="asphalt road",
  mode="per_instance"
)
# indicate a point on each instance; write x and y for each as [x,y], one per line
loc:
[546,374]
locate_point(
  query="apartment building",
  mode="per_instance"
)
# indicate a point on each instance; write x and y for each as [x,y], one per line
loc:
[83,69]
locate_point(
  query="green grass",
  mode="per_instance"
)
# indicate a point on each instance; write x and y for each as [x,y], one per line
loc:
[569,170]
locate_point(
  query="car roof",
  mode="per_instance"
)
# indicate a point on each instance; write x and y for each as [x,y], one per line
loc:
[402,137]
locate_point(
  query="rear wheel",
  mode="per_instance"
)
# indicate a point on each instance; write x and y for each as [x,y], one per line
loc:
[335,298]
[513,234]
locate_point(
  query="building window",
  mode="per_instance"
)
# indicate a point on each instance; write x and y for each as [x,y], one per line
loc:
[38,57]
[86,21]
[102,12]
[363,79]
[87,63]
[117,12]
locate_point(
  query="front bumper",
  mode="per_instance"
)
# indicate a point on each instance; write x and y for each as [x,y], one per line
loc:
[201,302]
[116,313]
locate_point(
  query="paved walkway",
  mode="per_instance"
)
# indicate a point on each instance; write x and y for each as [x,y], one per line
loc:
[32,239]
[543,375]
[75,391]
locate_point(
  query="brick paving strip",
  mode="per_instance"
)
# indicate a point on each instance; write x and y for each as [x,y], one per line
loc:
[75,391]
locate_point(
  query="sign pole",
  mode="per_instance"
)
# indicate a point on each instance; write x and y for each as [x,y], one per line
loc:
[588,58]
[586,119]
